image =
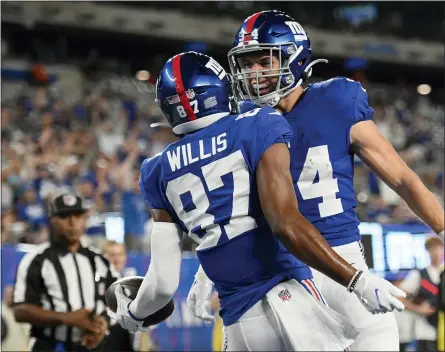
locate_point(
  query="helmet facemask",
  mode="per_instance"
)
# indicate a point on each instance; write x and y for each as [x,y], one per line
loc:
[234,95]
[285,79]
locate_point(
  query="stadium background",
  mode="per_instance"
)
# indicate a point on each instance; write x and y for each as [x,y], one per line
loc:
[78,99]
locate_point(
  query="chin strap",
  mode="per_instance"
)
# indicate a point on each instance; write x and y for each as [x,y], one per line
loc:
[274,100]
[308,70]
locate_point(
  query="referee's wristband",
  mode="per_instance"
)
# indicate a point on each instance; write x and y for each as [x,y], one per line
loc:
[354,280]
[441,235]
[131,314]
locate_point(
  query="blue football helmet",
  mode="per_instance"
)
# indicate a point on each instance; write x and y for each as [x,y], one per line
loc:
[193,91]
[277,34]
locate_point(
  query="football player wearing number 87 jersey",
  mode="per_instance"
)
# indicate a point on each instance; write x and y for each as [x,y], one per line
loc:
[331,121]
[226,183]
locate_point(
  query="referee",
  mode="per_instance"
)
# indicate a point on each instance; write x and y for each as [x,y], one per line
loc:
[60,286]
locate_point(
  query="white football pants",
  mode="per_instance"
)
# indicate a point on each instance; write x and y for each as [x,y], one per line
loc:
[257,330]
[292,317]
[377,332]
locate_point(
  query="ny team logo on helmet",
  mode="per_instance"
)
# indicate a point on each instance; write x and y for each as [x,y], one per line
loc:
[193,90]
[278,35]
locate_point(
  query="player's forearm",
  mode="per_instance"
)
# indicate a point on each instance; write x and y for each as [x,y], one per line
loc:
[304,241]
[162,278]
[421,201]
[32,314]
[152,296]
[377,153]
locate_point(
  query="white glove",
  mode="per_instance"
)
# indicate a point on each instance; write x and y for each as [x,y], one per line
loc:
[376,294]
[123,315]
[198,300]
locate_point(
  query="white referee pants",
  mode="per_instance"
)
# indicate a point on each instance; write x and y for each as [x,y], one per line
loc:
[377,332]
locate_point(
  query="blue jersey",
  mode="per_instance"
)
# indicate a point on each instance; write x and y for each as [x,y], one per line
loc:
[207,182]
[321,161]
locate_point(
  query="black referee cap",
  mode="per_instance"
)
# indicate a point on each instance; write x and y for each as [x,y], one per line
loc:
[66,203]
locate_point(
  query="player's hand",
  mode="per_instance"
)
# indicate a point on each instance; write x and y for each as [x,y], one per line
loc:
[199,300]
[123,315]
[378,295]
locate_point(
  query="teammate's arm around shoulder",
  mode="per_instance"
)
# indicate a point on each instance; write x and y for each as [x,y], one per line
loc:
[378,153]
[162,278]
[302,239]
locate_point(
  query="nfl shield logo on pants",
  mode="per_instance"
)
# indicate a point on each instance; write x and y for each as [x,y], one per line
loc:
[284,295]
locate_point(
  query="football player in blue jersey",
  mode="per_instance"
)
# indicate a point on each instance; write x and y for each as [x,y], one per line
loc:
[331,122]
[227,184]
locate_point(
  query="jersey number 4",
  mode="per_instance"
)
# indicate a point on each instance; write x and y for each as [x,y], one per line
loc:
[239,221]
[317,160]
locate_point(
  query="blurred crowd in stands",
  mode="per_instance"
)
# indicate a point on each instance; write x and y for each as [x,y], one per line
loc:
[94,146]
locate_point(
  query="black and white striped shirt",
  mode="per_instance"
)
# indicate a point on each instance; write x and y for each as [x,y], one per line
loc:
[58,280]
